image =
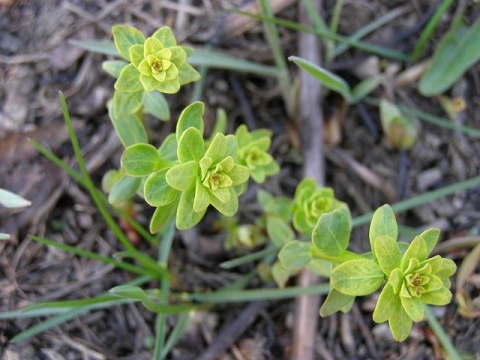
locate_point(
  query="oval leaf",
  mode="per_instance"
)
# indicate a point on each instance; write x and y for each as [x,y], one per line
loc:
[12,200]
[124,37]
[154,103]
[140,160]
[124,189]
[191,116]
[332,233]
[357,277]
[383,223]
[294,255]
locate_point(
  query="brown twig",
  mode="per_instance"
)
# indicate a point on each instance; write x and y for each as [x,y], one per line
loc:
[311,124]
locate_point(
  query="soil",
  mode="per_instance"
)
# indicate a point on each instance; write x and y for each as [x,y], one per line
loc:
[37,60]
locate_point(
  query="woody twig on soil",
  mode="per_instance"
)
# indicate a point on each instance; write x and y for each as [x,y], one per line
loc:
[311,125]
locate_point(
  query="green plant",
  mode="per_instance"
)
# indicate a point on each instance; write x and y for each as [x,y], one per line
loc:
[186,173]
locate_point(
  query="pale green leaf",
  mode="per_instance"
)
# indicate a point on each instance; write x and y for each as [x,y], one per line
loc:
[400,130]
[4,236]
[388,253]
[186,217]
[187,74]
[326,78]
[357,277]
[114,67]
[383,223]
[388,303]
[365,87]
[129,129]
[183,176]
[168,149]
[154,103]
[191,146]
[280,274]
[168,86]
[279,230]
[413,306]
[141,160]
[124,189]
[125,37]
[126,103]
[331,235]
[157,192]
[335,301]
[400,324]
[9,199]
[136,54]
[439,297]
[294,255]
[191,116]
[416,250]
[166,37]
[128,80]
[456,53]
[431,238]
[320,267]
[229,208]
[162,217]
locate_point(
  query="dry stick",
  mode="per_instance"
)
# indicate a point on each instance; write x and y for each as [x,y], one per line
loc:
[311,123]
[232,331]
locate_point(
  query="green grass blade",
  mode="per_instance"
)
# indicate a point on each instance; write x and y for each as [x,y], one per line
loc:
[423,199]
[230,264]
[368,29]
[104,47]
[429,29]
[335,20]
[317,21]
[442,336]
[374,49]
[182,323]
[273,39]
[224,296]
[91,255]
[219,60]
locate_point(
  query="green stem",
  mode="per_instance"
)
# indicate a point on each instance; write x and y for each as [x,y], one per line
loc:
[337,10]
[441,335]
[161,322]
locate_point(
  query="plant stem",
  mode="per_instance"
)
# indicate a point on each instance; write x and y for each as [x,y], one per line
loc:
[441,335]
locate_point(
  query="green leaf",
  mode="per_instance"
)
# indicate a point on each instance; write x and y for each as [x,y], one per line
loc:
[187,74]
[186,217]
[431,238]
[335,301]
[413,306]
[125,37]
[387,304]
[332,232]
[383,223]
[166,37]
[157,192]
[400,324]
[457,51]
[357,277]
[439,297]
[162,217]
[280,274]
[191,146]
[294,255]
[401,131]
[191,116]
[230,207]
[129,129]
[9,199]
[154,103]
[126,103]
[182,177]
[279,231]
[168,149]
[114,67]
[416,250]
[326,78]
[365,87]
[168,86]
[388,253]
[129,80]
[141,160]
[136,293]
[124,189]
[320,267]
[105,47]
[4,236]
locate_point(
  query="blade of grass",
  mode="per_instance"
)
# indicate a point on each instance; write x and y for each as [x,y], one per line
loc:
[246,259]
[441,335]
[177,332]
[374,49]
[368,29]
[161,321]
[273,39]
[219,60]
[315,18]
[224,296]
[423,199]
[154,273]
[429,29]
[337,10]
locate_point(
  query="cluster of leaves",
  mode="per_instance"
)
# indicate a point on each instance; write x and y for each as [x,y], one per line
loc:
[412,279]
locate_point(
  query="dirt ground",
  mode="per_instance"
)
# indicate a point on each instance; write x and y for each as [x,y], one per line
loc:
[37,60]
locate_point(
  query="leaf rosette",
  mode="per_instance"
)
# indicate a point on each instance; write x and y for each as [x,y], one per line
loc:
[310,202]
[253,153]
